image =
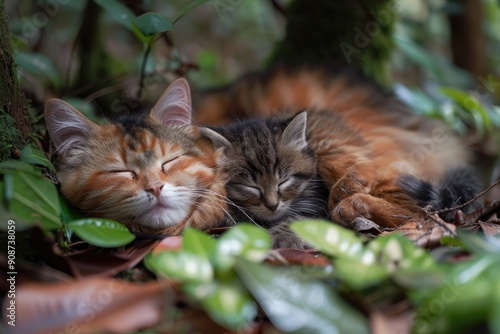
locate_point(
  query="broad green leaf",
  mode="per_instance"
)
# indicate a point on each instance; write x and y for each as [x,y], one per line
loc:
[359,275]
[382,258]
[227,303]
[245,240]
[295,304]
[470,104]
[455,307]
[38,65]
[329,238]
[8,190]
[118,12]
[152,23]
[396,252]
[69,213]
[34,156]
[33,200]
[198,243]
[416,99]
[10,165]
[469,271]
[5,215]
[189,7]
[494,317]
[182,266]
[416,279]
[478,243]
[101,232]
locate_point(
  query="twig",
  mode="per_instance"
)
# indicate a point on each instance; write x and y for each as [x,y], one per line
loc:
[481,194]
[440,223]
[143,69]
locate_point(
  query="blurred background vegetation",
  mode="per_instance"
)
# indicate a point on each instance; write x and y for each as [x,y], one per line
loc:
[439,56]
[107,57]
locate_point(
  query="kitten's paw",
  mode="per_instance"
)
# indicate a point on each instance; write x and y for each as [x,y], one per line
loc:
[349,209]
[366,206]
[350,184]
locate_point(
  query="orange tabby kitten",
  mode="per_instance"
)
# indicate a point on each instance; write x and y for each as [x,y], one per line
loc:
[155,174]
[378,159]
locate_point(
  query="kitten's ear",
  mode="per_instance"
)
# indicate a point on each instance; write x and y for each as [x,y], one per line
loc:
[67,126]
[295,132]
[174,105]
[218,140]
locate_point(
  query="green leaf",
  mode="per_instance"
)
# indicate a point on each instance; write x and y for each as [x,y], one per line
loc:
[69,213]
[38,65]
[396,252]
[245,240]
[33,200]
[419,55]
[101,232]
[359,275]
[416,99]
[329,238]
[118,12]
[151,24]
[471,105]
[227,303]
[10,165]
[8,191]
[33,156]
[478,243]
[297,305]
[182,266]
[455,307]
[198,243]
[189,7]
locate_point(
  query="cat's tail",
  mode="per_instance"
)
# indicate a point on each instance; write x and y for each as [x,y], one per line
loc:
[458,186]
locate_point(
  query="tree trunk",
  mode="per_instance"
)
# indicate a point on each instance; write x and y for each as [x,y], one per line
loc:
[468,41]
[355,33]
[14,119]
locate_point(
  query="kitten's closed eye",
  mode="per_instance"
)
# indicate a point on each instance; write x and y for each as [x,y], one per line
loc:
[286,183]
[124,173]
[166,165]
[244,190]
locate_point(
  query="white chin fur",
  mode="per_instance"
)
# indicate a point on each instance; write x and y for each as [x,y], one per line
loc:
[175,206]
[164,218]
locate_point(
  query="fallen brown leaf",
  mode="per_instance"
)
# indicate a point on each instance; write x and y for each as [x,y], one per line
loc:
[425,229]
[89,306]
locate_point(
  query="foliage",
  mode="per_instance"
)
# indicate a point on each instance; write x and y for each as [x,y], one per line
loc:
[28,196]
[236,278]
[443,90]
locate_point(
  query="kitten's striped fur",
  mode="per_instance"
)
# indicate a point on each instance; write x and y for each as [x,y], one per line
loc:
[271,171]
[364,139]
[154,174]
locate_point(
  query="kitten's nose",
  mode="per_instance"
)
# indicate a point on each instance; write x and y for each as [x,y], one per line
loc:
[271,206]
[155,189]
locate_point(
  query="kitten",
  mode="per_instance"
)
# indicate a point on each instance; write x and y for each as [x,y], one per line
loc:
[271,174]
[156,174]
[364,139]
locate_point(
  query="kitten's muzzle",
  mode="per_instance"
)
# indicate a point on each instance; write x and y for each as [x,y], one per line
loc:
[155,189]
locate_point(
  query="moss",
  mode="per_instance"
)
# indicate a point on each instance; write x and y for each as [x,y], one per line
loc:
[14,120]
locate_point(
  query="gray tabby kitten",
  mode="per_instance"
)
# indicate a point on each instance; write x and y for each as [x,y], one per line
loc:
[272,176]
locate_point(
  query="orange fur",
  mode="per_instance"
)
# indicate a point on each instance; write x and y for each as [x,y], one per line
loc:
[364,138]
[156,174]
